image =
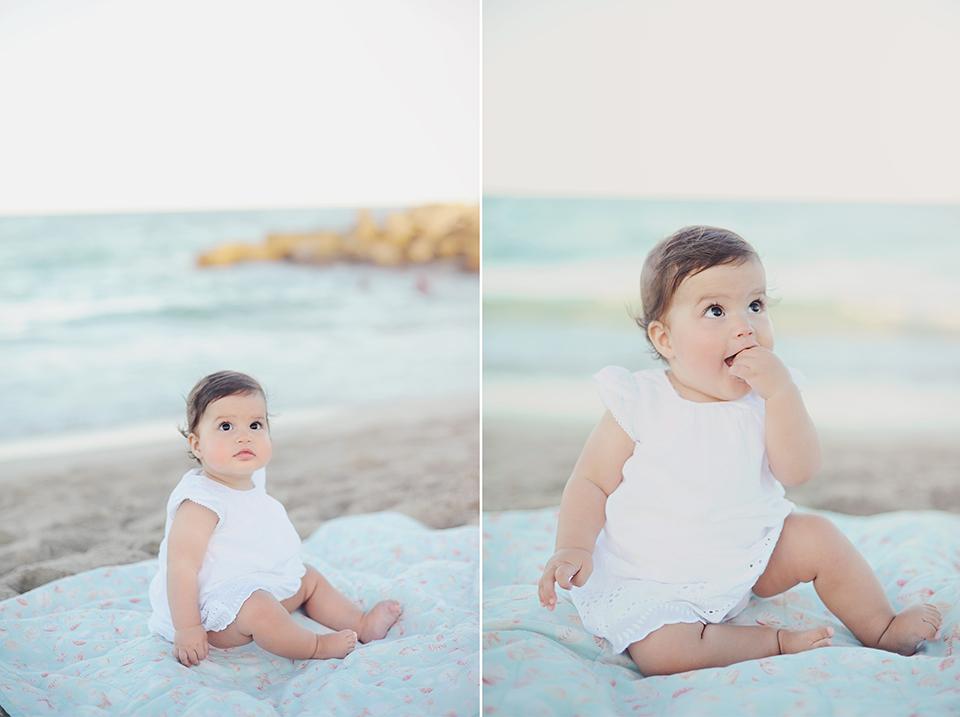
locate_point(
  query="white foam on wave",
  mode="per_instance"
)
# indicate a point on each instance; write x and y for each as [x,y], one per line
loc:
[331,418]
[17,318]
[869,291]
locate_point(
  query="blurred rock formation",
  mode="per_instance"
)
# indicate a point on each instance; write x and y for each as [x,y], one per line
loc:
[423,234]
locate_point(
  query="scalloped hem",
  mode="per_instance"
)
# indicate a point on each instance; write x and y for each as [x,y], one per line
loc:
[220,610]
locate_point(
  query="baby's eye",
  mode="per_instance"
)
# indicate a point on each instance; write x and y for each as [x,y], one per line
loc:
[225,426]
[756,306]
[256,425]
[714,312]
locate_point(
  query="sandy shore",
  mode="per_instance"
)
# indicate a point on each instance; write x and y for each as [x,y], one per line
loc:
[64,513]
[526,462]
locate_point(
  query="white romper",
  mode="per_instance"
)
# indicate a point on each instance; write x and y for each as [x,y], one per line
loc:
[691,527]
[254,547]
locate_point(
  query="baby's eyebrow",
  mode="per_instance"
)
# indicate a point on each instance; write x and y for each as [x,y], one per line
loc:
[716,298]
[713,298]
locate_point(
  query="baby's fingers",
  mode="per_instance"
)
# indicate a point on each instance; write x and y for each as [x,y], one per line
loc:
[565,573]
[189,657]
[548,596]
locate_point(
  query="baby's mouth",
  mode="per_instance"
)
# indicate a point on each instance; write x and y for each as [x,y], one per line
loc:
[730,359]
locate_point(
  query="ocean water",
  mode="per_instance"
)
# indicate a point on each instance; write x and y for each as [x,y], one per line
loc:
[866,300]
[107,322]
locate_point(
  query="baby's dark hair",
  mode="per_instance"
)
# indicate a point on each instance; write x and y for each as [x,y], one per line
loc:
[684,253]
[212,388]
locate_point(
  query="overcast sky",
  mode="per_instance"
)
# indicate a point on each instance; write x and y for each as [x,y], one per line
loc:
[849,100]
[202,104]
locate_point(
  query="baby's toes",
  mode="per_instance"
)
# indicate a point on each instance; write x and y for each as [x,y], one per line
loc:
[932,622]
[348,641]
[377,622]
[825,634]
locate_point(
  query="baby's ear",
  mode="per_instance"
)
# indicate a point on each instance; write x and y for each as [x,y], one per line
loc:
[660,338]
[194,442]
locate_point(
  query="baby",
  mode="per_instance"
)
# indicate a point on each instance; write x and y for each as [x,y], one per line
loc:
[675,512]
[230,568]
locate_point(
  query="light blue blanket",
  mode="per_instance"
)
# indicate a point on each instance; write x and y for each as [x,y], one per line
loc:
[80,645]
[537,662]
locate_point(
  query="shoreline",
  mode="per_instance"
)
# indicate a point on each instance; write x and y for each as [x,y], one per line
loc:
[68,512]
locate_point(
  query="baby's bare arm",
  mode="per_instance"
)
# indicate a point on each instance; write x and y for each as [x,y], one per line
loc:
[598,472]
[186,544]
[793,443]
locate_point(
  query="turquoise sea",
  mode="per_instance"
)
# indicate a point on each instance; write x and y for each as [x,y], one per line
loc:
[867,300]
[106,321]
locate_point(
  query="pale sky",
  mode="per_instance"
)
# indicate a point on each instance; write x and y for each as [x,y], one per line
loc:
[120,105]
[837,100]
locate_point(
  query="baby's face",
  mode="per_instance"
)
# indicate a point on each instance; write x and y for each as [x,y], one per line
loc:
[232,439]
[714,315]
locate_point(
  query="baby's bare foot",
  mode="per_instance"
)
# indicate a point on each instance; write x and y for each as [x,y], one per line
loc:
[911,628]
[375,623]
[793,641]
[335,645]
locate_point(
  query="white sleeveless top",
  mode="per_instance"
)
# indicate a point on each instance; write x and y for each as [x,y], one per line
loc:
[254,547]
[691,527]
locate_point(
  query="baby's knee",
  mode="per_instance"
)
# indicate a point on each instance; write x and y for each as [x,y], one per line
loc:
[814,531]
[311,577]
[666,651]
[257,608]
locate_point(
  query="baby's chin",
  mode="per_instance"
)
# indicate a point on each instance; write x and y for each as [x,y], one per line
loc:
[738,388]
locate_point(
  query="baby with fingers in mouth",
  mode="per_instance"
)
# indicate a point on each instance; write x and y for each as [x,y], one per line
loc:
[230,568]
[675,512]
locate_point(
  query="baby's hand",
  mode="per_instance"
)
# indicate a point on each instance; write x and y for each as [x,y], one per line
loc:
[190,645]
[567,567]
[763,371]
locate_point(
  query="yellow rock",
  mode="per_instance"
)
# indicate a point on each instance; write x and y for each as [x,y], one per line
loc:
[437,220]
[319,248]
[282,245]
[419,235]
[366,230]
[420,251]
[384,254]
[471,257]
[233,253]
[400,229]
[449,246]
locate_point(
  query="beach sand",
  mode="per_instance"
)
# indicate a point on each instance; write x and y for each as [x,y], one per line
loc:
[526,463]
[62,513]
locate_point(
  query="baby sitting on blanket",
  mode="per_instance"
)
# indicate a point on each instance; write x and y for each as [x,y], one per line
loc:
[230,571]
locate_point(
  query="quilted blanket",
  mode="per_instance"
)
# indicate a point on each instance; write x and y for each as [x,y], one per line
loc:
[537,662]
[80,645]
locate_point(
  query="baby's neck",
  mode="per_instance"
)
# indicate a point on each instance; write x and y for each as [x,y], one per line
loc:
[241,483]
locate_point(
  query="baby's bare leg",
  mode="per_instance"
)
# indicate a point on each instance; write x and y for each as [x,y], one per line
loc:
[812,549]
[328,606]
[695,646]
[263,619]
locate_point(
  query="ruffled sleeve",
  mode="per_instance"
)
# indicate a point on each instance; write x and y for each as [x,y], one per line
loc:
[194,489]
[259,480]
[621,395]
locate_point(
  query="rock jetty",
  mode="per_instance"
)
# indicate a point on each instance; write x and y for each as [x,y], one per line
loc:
[423,234]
